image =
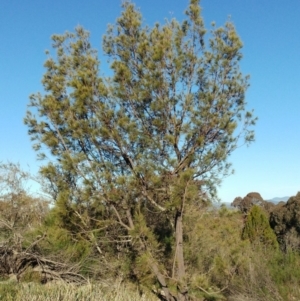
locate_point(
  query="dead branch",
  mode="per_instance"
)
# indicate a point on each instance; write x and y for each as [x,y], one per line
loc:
[17,263]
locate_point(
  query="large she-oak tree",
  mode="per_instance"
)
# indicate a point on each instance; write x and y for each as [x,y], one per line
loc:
[147,143]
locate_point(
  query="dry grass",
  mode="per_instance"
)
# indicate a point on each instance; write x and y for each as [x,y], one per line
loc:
[12,291]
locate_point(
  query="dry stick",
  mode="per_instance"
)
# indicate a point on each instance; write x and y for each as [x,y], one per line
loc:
[152,201]
[47,265]
[40,238]
[212,293]
[119,218]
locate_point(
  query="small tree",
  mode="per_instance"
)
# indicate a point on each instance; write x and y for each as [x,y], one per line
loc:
[257,228]
[133,151]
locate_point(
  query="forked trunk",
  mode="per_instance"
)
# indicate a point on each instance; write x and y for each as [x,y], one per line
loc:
[166,294]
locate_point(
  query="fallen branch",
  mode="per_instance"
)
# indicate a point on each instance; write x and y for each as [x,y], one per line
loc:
[17,263]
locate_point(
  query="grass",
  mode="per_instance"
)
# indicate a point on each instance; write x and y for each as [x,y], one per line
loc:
[13,291]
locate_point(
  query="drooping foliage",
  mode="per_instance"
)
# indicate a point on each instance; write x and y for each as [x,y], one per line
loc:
[128,154]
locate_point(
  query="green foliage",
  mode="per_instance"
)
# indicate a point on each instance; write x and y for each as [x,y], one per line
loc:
[257,228]
[147,143]
[284,268]
[222,265]
[215,254]
[60,243]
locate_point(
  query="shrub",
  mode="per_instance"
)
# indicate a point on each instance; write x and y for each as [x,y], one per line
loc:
[257,228]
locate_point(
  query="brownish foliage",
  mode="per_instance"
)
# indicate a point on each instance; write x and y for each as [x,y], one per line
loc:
[245,204]
[285,221]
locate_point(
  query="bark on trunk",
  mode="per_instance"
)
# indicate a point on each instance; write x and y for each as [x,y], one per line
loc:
[182,287]
[161,279]
[165,294]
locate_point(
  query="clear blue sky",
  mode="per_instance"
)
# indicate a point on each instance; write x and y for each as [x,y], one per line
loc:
[268,29]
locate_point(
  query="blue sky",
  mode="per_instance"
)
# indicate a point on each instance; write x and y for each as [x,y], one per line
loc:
[268,29]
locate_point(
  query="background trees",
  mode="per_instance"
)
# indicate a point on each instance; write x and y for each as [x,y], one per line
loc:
[19,210]
[284,219]
[246,203]
[128,155]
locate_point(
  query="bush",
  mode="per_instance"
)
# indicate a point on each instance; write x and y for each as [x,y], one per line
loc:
[257,228]
[222,265]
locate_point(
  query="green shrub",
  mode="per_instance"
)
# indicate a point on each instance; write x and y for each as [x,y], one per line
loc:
[257,228]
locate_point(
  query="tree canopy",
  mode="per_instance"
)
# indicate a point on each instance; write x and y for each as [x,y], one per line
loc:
[128,153]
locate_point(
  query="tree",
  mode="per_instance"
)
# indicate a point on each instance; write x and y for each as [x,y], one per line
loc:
[19,209]
[257,228]
[141,146]
[285,222]
[246,203]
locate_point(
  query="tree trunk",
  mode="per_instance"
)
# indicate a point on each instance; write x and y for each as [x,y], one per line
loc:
[181,286]
[162,281]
